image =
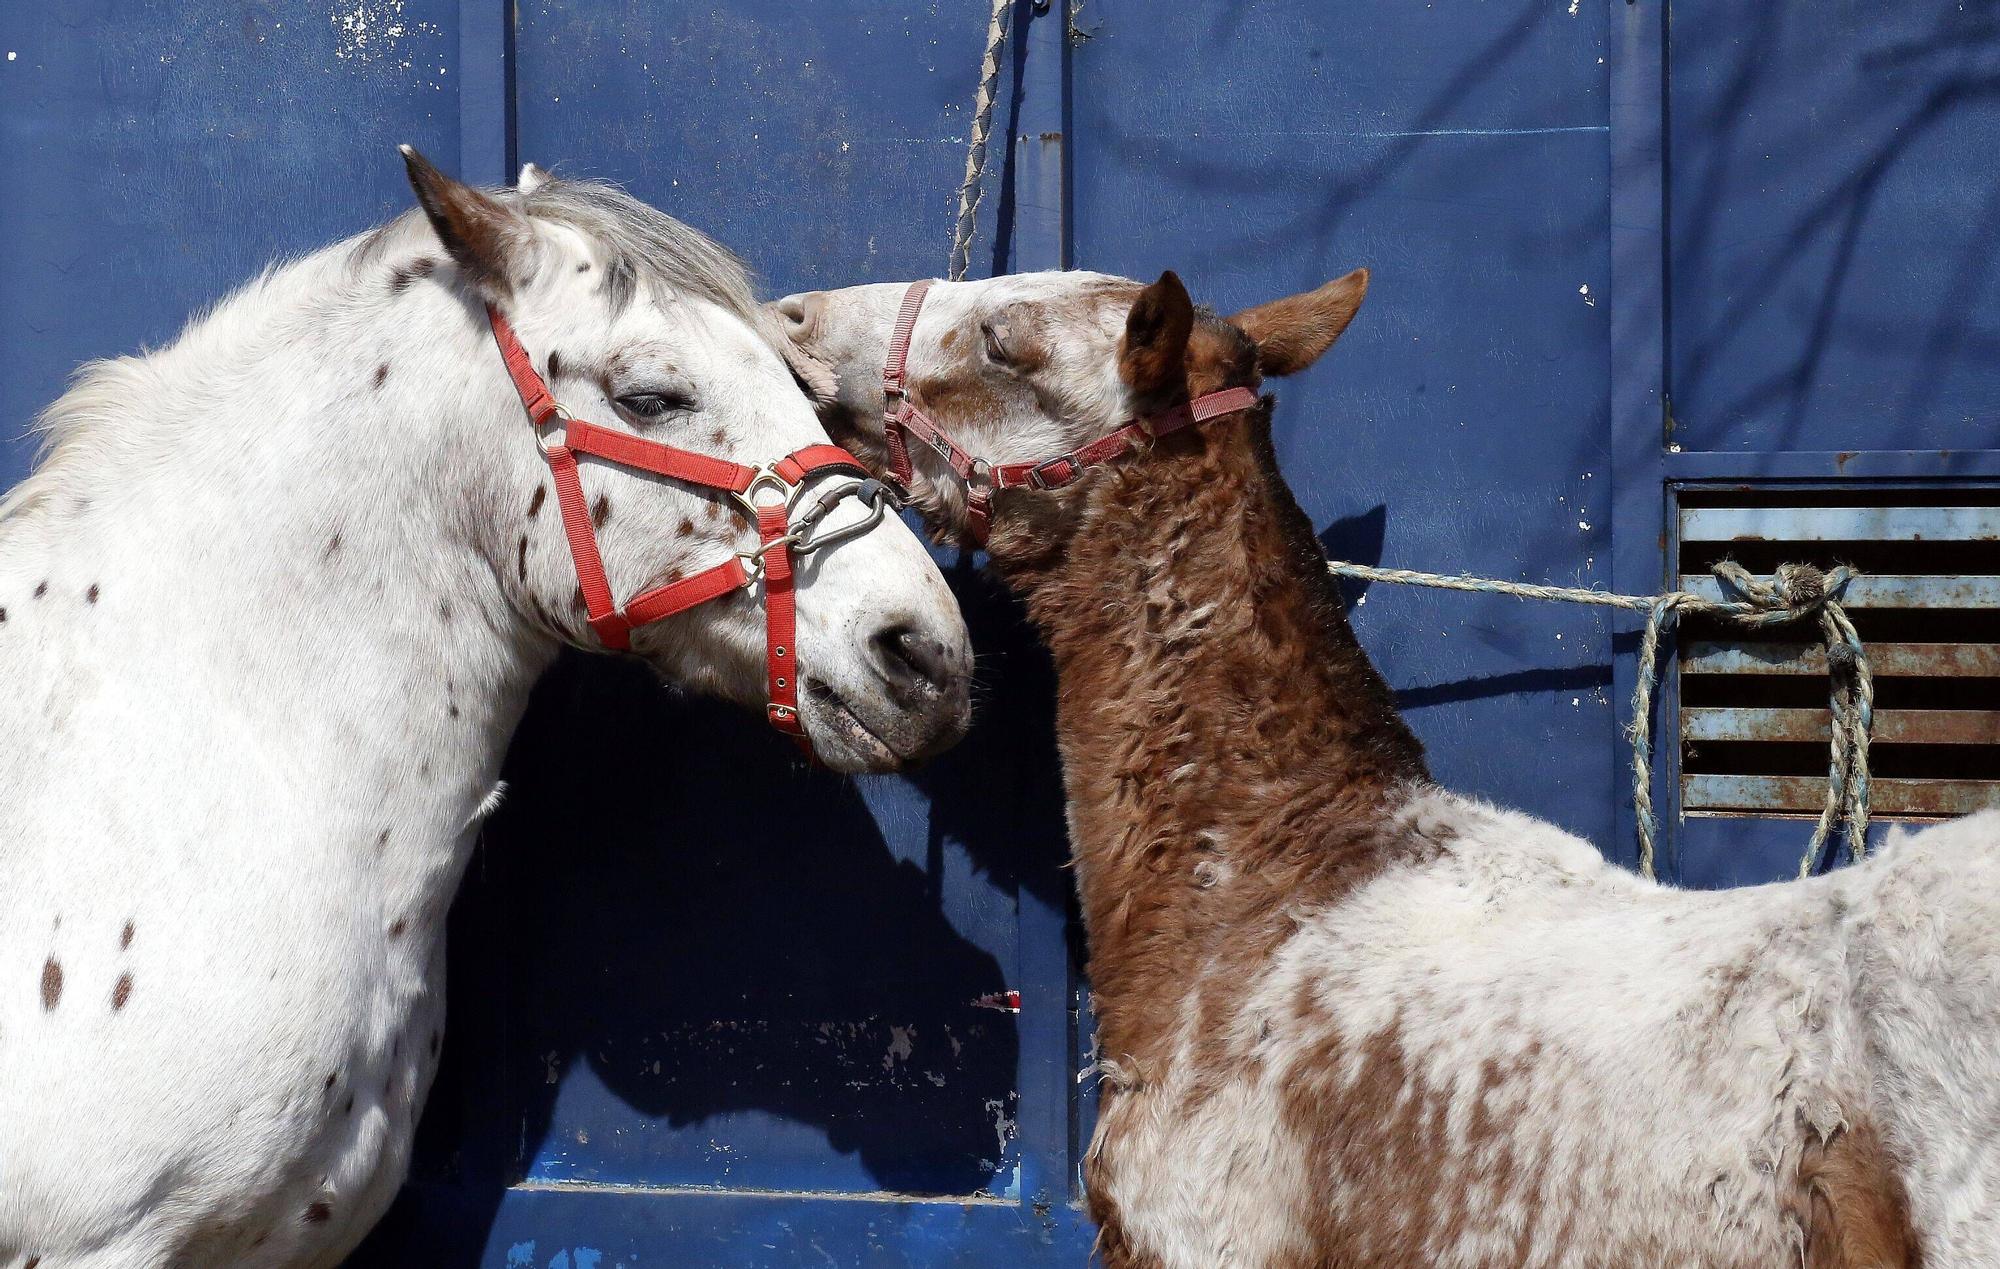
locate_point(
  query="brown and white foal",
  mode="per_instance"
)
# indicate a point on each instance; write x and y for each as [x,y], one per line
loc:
[1350,1018]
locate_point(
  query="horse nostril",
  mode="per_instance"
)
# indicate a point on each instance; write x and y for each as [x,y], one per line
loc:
[914,665]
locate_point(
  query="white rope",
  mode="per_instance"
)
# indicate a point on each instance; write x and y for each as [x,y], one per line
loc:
[1793,592]
[970,192]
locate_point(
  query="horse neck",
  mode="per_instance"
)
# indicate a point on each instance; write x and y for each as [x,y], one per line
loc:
[270,544]
[1229,751]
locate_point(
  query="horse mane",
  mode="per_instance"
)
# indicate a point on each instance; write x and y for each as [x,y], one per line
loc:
[646,249]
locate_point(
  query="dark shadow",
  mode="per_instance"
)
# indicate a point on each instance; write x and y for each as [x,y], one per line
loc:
[1356,540]
[1570,679]
[671,923]
[999,792]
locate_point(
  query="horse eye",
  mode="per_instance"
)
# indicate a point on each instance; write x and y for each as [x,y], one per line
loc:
[996,346]
[654,405]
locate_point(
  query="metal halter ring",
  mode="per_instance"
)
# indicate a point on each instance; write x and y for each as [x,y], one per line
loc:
[753,561]
[747,497]
[541,429]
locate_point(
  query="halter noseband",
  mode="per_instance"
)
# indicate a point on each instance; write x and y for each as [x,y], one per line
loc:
[902,420]
[778,539]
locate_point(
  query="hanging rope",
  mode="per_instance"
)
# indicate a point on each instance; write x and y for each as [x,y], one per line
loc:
[970,192]
[1794,592]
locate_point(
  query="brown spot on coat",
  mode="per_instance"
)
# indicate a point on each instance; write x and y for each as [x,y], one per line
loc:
[397,927]
[52,980]
[381,375]
[41,589]
[90,596]
[403,275]
[535,502]
[1856,1215]
[555,364]
[319,1213]
[521,558]
[600,511]
[125,935]
[331,1076]
[687,526]
[719,436]
[331,549]
[122,992]
[381,840]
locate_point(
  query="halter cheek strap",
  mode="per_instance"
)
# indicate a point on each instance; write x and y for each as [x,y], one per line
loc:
[903,421]
[747,486]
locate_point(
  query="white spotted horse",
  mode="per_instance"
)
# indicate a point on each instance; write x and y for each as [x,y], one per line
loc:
[271,604]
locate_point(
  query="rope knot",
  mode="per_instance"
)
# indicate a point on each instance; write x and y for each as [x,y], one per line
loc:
[1800,586]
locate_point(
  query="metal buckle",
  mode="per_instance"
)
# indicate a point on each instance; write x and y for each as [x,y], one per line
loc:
[747,498]
[1037,479]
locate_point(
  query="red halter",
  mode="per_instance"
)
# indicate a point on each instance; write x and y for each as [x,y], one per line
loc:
[777,538]
[980,477]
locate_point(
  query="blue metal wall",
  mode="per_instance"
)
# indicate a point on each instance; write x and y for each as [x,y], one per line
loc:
[1609,259]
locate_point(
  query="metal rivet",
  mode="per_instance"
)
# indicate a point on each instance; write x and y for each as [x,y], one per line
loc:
[781,682]
[780,651]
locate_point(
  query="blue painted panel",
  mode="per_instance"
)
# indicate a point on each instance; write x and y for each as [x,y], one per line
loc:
[601,1229]
[1833,222]
[826,142]
[161,154]
[1460,152]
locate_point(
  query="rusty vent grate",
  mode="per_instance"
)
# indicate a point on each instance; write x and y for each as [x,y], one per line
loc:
[1753,709]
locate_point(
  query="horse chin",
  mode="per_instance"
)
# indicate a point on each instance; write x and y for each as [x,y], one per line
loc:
[842,741]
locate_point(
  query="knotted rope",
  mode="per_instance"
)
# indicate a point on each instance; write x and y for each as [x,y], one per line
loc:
[1793,593]
[970,192]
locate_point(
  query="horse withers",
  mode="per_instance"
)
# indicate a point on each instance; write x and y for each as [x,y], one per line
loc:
[270,606]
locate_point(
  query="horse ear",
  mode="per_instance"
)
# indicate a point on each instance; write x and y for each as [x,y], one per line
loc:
[815,377]
[1152,360]
[531,179]
[1292,333]
[488,239]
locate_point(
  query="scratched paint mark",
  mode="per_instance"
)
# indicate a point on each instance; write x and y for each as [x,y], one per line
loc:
[1004,1126]
[521,1255]
[373,30]
[900,1047]
[1588,298]
[587,1258]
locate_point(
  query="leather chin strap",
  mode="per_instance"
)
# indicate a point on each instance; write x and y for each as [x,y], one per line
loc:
[778,540]
[903,422]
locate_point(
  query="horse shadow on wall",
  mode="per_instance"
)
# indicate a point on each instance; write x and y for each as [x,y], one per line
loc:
[674,937]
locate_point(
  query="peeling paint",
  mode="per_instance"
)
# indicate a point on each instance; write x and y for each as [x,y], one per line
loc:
[900,1047]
